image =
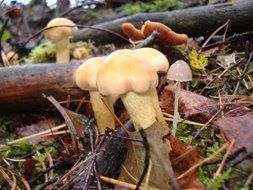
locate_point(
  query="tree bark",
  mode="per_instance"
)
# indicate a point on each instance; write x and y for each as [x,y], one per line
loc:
[192,21]
[21,87]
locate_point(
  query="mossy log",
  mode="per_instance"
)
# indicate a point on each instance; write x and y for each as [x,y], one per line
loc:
[191,21]
[22,87]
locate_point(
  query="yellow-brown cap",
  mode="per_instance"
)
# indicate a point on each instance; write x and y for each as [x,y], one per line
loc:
[124,71]
[55,33]
[132,32]
[180,71]
[85,75]
[166,35]
[155,58]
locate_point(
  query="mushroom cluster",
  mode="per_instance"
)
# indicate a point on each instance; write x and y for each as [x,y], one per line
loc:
[127,74]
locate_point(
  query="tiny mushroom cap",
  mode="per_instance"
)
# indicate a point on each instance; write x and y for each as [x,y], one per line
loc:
[124,71]
[155,58]
[180,71]
[55,33]
[85,75]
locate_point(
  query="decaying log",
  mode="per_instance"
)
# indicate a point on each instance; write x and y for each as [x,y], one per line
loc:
[21,87]
[192,21]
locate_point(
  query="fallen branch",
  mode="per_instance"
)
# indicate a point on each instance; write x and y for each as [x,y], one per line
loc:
[192,21]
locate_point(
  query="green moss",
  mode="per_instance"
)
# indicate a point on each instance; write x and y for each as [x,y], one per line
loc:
[154,6]
[45,52]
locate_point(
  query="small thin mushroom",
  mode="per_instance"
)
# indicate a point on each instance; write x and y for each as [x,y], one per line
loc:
[126,75]
[85,78]
[161,64]
[180,71]
[59,30]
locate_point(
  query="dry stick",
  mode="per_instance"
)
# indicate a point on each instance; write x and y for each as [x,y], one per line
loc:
[115,117]
[68,101]
[80,26]
[148,41]
[206,124]
[231,39]
[120,183]
[147,157]
[243,73]
[7,178]
[217,173]
[203,161]
[215,32]
[36,135]
[80,104]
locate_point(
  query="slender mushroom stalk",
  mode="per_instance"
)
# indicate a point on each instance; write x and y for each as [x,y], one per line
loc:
[127,75]
[161,64]
[59,30]
[180,71]
[85,78]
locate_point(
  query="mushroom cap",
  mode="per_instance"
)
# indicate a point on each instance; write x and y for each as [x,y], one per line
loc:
[166,35]
[57,33]
[85,75]
[155,58]
[124,71]
[132,32]
[180,71]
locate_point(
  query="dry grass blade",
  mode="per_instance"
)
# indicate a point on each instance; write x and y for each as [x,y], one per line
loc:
[7,178]
[43,133]
[203,161]
[217,173]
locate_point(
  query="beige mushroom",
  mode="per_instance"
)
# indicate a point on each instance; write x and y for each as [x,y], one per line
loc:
[160,63]
[180,71]
[126,75]
[85,78]
[58,32]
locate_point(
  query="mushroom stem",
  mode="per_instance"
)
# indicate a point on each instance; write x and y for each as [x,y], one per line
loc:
[176,113]
[62,51]
[102,115]
[155,101]
[140,109]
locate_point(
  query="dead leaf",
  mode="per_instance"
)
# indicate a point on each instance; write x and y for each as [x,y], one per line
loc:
[36,128]
[73,120]
[182,158]
[29,168]
[191,104]
[238,127]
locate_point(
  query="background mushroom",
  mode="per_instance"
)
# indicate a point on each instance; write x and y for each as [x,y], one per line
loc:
[127,75]
[59,30]
[161,64]
[180,71]
[85,78]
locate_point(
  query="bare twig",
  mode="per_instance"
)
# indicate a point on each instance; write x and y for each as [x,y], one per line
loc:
[246,67]
[147,157]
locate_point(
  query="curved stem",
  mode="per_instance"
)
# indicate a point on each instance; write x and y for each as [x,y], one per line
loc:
[62,51]
[176,114]
[140,109]
[102,115]
[155,101]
